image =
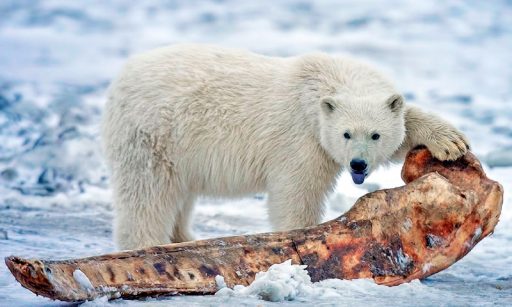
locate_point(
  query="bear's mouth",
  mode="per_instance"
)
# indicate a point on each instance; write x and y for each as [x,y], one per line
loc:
[358,177]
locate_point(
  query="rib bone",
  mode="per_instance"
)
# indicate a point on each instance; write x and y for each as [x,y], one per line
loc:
[392,236]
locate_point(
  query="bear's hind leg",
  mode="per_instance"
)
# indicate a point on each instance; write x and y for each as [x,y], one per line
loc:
[147,200]
[182,232]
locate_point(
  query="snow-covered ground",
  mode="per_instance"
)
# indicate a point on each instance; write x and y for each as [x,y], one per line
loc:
[56,60]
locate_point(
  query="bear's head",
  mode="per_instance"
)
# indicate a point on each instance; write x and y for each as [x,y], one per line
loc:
[362,132]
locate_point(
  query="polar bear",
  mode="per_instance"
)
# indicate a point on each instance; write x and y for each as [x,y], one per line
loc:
[197,120]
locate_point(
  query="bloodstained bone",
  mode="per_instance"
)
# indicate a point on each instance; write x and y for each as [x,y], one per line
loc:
[392,236]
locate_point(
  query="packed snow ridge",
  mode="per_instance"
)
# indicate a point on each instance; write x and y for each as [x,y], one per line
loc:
[291,282]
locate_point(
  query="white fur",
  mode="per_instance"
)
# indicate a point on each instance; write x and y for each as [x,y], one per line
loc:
[192,120]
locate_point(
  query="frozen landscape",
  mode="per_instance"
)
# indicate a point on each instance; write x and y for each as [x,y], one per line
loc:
[57,58]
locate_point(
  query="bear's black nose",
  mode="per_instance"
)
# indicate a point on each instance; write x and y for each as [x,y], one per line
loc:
[358,165]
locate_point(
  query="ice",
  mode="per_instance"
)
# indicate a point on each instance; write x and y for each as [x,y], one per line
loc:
[57,58]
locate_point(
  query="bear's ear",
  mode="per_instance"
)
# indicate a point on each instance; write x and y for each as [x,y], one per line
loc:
[395,103]
[328,104]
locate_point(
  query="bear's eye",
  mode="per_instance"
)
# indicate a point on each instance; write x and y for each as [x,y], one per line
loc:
[346,135]
[375,136]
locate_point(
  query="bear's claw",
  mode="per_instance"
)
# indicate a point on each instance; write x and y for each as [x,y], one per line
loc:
[448,144]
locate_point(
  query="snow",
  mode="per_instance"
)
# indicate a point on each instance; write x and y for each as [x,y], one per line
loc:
[219,281]
[426,267]
[57,58]
[82,280]
[98,302]
[476,235]
[499,158]
[288,282]
[281,282]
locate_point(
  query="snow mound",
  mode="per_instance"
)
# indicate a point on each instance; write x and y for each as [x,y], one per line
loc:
[289,282]
[281,282]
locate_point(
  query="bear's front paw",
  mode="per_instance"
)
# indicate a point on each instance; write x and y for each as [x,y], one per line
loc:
[447,143]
